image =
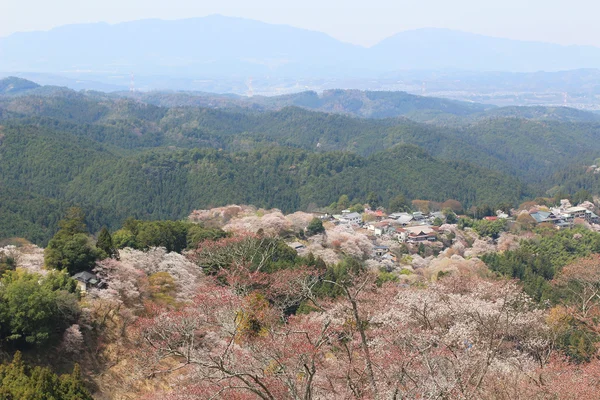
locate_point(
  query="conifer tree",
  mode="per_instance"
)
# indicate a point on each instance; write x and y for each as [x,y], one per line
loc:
[105,243]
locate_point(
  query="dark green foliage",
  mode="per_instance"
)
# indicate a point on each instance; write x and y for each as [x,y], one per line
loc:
[384,277]
[35,309]
[197,234]
[254,252]
[172,235]
[450,216]
[170,184]
[538,260]
[14,85]
[105,243]
[72,248]
[576,179]
[489,228]
[20,381]
[373,200]
[581,196]
[398,203]
[343,202]
[578,342]
[7,263]
[315,226]
[538,148]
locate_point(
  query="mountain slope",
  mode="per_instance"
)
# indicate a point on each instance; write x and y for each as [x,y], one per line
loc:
[433,48]
[212,45]
[530,149]
[46,170]
[14,85]
[226,46]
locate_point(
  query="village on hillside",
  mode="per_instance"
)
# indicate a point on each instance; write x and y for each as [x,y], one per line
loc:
[411,244]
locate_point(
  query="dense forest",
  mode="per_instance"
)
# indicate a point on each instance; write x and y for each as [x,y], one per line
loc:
[168,183]
[120,157]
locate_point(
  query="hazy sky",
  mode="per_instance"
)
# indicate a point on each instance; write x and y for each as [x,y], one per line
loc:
[362,22]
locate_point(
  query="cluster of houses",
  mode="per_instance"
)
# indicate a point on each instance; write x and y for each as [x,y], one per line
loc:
[565,216]
[405,227]
[403,232]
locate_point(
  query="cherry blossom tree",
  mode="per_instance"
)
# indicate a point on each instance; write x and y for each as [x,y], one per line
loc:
[345,240]
[462,337]
[156,260]
[581,280]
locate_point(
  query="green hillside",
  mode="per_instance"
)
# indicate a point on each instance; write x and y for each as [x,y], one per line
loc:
[13,85]
[120,157]
[53,169]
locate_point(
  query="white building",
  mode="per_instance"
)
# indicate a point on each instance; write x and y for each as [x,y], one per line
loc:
[351,218]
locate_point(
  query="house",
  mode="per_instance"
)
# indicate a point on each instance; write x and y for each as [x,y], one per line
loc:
[575,212]
[551,218]
[377,214]
[580,212]
[402,218]
[390,257]
[544,216]
[379,228]
[322,216]
[418,216]
[87,280]
[351,218]
[380,251]
[421,233]
[383,253]
[421,237]
[501,214]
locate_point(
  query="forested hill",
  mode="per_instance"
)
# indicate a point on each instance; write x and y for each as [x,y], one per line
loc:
[365,104]
[532,149]
[14,85]
[51,170]
[120,157]
[357,103]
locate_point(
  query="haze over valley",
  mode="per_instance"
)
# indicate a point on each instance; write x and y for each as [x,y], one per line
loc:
[241,56]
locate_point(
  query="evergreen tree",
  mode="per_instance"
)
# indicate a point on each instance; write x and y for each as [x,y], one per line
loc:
[581,196]
[398,204]
[73,222]
[373,200]
[343,202]
[34,309]
[314,227]
[450,216]
[105,243]
[20,381]
[72,248]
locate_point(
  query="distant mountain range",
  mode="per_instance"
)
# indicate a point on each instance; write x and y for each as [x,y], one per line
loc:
[225,46]
[357,103]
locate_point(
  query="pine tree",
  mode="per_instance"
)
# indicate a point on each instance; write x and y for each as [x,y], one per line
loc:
[373,200]
[105,243]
